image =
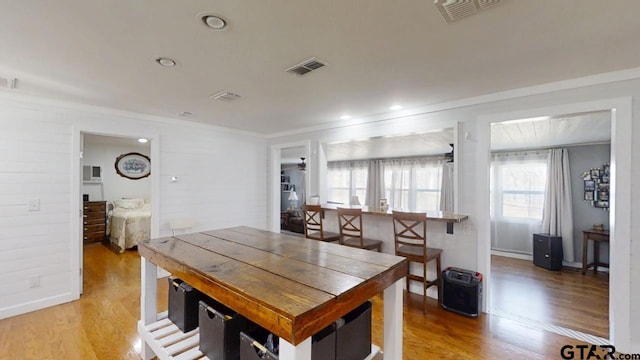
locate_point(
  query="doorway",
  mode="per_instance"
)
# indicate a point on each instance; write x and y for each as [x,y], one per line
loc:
[619,293]
[107,141]
[285,157]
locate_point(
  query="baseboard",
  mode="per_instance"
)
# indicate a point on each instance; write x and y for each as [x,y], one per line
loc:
[512,255]
[530,258]
[35,305]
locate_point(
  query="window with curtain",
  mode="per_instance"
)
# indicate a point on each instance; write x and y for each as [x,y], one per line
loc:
[347,179]
[518,182]
[413,184]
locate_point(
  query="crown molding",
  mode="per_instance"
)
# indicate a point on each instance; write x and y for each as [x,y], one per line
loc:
[597,79]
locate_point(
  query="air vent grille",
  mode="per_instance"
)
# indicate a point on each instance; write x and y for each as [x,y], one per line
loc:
[306,66]
[225,96]
[453,10]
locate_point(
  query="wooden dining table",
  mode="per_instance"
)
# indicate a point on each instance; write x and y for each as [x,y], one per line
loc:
[291,286]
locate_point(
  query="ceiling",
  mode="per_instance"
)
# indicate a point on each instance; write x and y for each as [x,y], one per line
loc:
[90,139]
[378,53]
[542,132]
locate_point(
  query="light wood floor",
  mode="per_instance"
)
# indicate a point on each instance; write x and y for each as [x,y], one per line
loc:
[102,324]
[564,298]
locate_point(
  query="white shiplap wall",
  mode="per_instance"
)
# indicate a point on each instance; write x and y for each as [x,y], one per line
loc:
[221,183]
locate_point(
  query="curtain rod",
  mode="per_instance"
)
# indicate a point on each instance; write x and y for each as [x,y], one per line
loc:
[550,147]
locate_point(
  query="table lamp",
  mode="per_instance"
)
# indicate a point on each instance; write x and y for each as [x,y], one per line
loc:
[293,199]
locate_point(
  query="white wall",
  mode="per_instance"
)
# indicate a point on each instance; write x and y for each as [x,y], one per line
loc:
[115,186]
[221,183]
[461,249]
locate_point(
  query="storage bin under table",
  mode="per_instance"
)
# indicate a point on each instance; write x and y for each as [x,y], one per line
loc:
[292,287]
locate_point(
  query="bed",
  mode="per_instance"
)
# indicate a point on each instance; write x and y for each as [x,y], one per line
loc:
[129,223]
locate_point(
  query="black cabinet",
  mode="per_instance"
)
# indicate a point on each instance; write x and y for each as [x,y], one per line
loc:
[547,251]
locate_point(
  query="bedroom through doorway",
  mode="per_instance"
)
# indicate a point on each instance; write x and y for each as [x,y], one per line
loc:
[115,197]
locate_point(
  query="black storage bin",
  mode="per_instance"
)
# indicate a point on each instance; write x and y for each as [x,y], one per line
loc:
[323,344]
[547,251]
[220,329]
[462,291]
[183,304]
[353,339]
[251,344]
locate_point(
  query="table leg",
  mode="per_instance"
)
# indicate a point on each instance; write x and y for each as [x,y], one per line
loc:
[393,321]
[596,255]
[288,351]
[585,244]
[148,299]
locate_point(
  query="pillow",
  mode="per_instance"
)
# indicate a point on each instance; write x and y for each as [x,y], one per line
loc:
[129,203]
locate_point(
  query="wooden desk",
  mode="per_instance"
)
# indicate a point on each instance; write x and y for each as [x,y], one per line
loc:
[291,286]
[441,216]
[596,236]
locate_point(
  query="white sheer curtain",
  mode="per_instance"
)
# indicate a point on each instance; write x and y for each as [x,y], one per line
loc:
[446,190]
[557,216]
[375,184]
[518,182]
[413,184]
[346,179]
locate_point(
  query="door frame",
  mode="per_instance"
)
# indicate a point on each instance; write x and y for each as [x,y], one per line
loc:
[76,190]
[620,204]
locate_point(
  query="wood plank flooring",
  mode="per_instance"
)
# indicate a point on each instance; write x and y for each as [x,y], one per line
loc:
[564,298]
[102,324]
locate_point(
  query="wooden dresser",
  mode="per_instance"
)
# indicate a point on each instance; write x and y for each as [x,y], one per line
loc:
[94,221]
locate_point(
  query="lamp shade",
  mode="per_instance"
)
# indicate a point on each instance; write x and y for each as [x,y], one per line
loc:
[293,196]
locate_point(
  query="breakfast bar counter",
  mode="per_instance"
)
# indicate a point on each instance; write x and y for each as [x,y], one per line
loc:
[291,286]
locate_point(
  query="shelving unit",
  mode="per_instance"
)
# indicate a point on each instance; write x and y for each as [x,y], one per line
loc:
[169,343]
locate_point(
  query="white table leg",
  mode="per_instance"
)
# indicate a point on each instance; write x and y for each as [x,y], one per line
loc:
[393,321]
[148,299]
[301,351]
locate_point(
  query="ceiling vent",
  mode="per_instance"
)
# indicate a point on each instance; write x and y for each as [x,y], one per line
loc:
[453,10]
[225,95]
[306,66]
[8,83]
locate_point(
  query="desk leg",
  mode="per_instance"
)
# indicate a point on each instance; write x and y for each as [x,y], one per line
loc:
[393,321]
[585,244]
[148,299]
[596,256]
[290,352]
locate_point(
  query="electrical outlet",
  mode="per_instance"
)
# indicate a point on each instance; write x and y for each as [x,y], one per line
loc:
[34,281]
[34,205]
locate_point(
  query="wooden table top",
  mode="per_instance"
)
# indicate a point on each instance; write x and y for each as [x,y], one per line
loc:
[431,215]
[292,286]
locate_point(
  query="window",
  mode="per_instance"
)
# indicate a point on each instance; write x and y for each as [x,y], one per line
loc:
[347,179]
[517,186]
[413,184]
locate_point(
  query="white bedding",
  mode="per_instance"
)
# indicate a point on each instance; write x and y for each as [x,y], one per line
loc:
[129,226]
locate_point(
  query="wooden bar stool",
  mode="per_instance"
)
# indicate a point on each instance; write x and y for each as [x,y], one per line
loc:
[350,221]
[313,224]
[410,238]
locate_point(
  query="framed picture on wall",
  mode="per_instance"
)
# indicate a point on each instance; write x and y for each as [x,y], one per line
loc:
[589,185]
[601,204]
[595,173]
[133,166]
[588,195]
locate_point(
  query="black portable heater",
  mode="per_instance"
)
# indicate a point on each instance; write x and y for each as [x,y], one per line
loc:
[462,291]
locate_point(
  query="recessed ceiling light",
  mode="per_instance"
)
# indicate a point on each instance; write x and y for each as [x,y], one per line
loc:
[395,107]
[166,62]
[214,21]
[345,117]
[143,141]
